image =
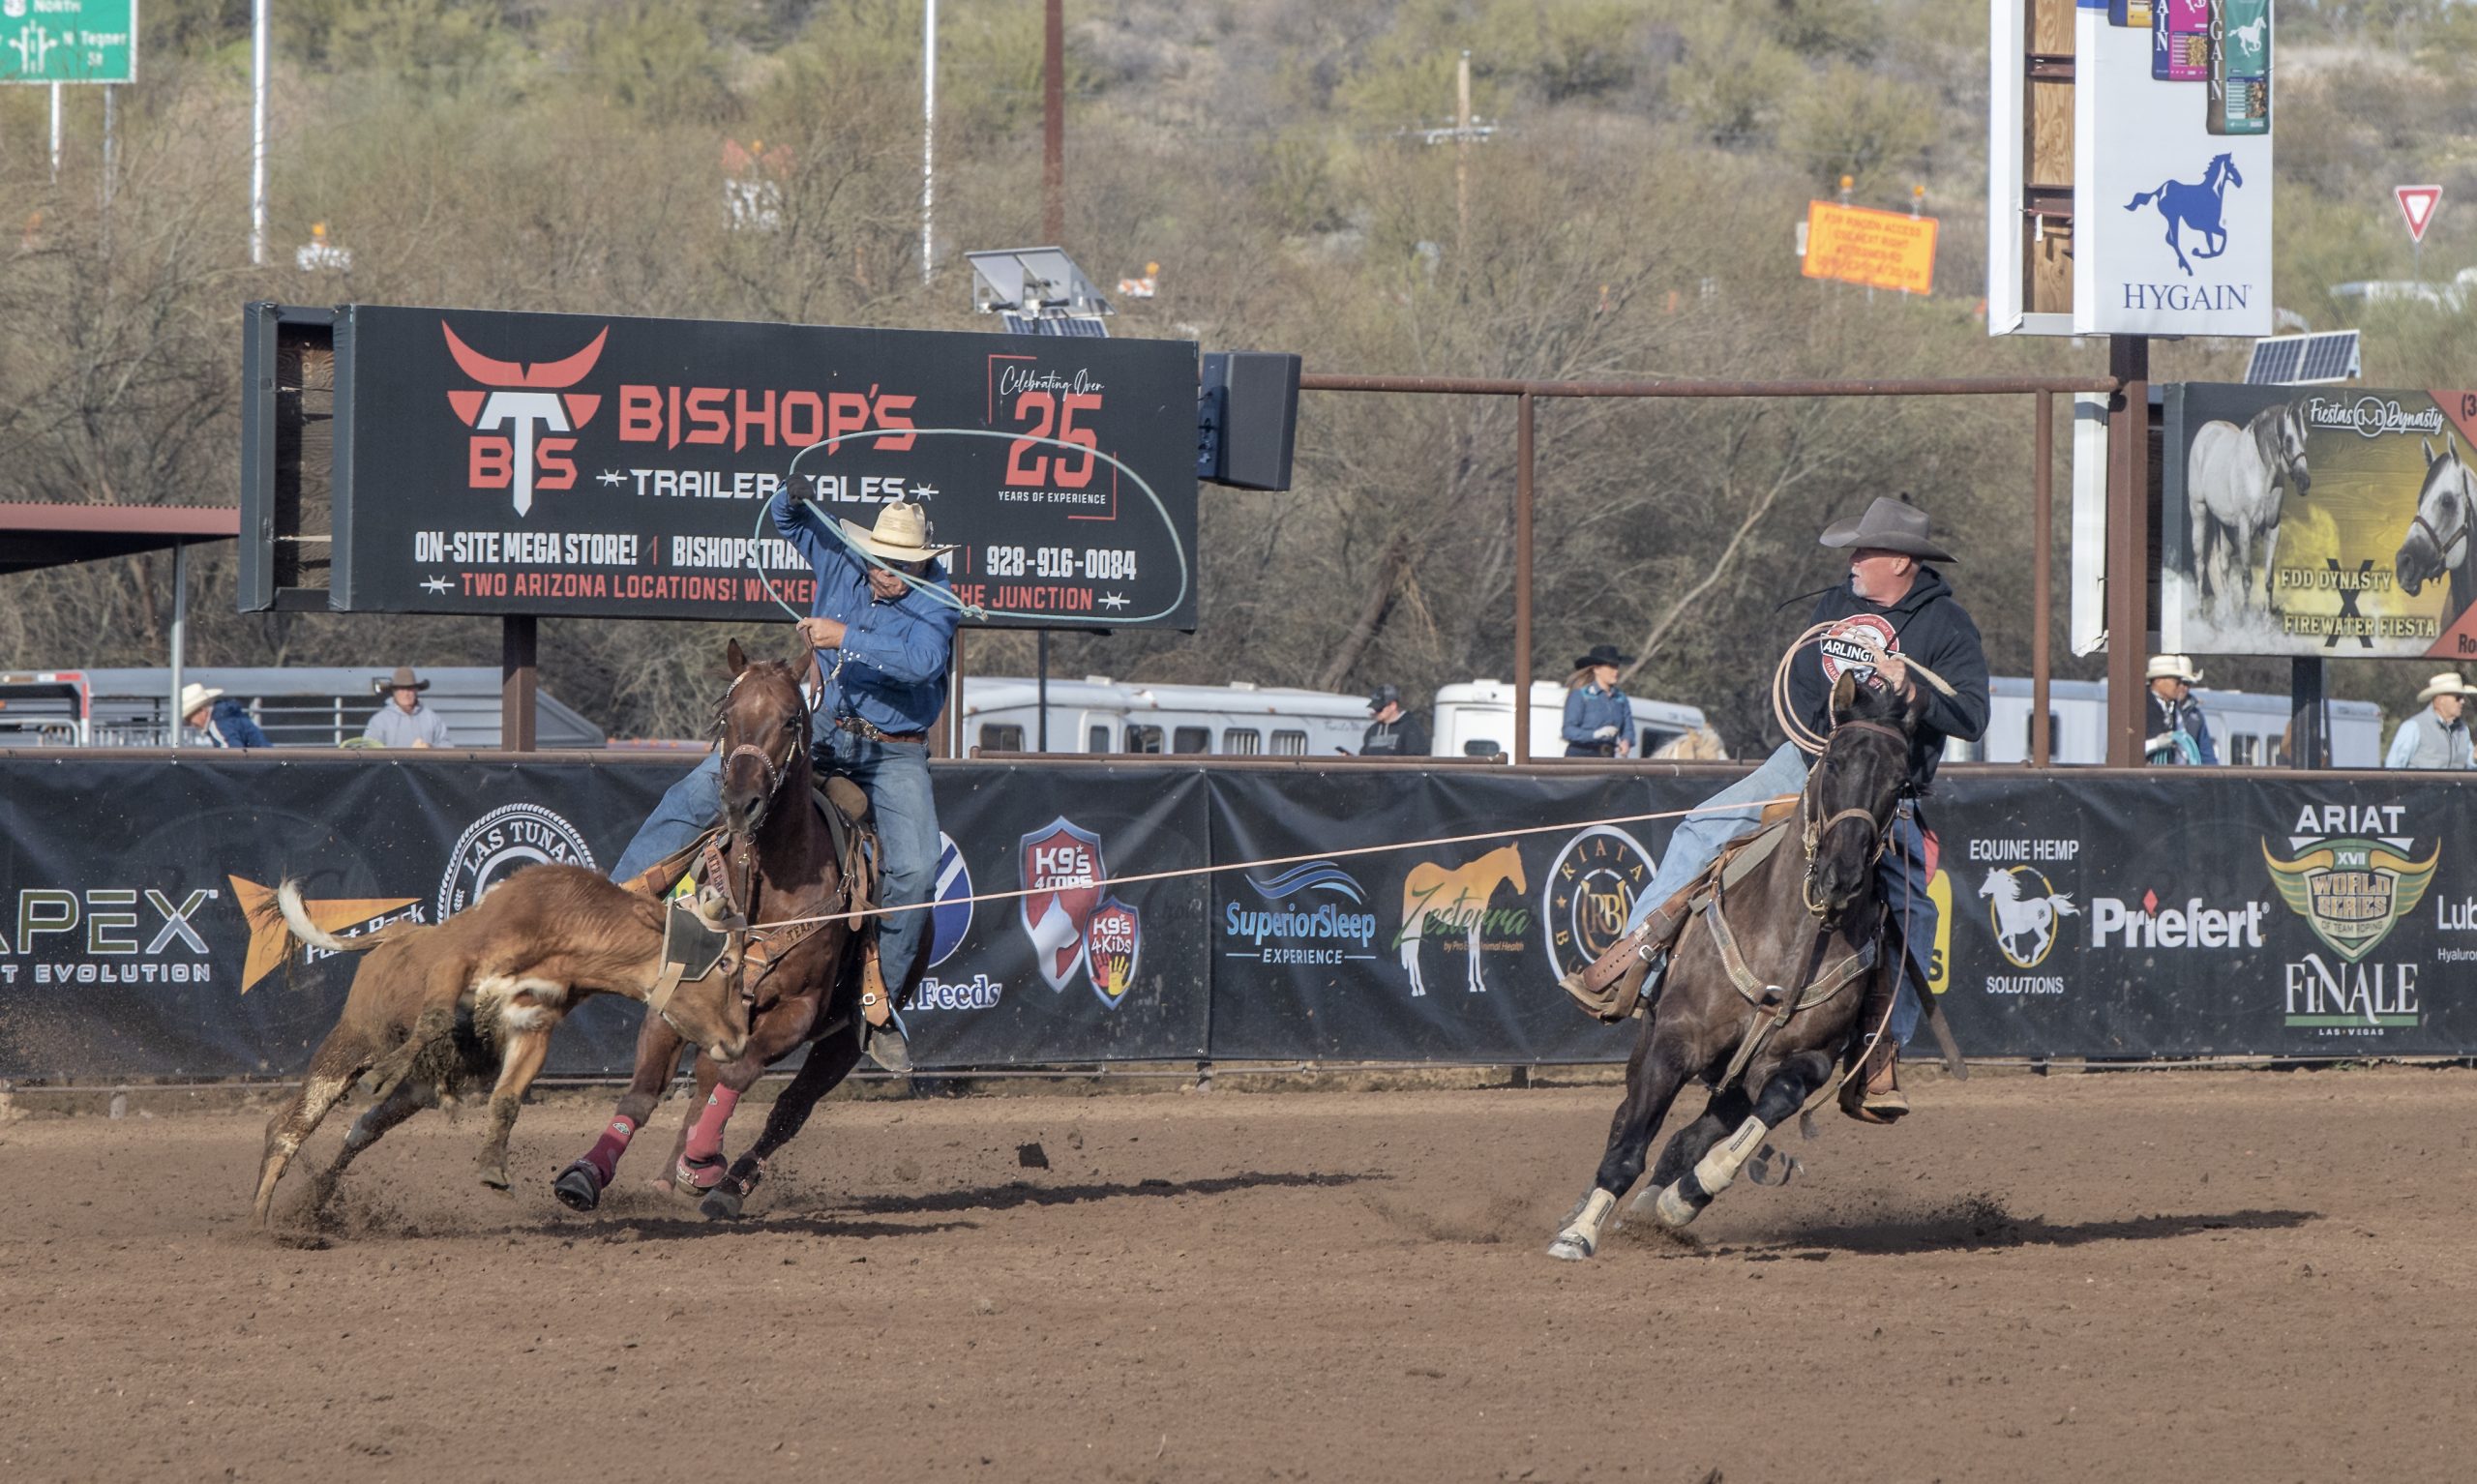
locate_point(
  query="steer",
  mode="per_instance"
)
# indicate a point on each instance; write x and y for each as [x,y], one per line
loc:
[438,1006]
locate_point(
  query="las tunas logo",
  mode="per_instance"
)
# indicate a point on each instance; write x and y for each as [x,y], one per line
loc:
[2351,873]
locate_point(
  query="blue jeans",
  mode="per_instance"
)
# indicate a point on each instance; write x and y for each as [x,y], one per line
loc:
[894,775]
[1900,877]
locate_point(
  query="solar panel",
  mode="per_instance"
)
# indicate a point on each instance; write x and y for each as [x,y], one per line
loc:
[2304,360]
[1087,326]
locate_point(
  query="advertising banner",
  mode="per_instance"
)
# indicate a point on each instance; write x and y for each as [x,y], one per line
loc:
[68,41]
[2172,111]
[2083,913]
[593,464]
[2318,521]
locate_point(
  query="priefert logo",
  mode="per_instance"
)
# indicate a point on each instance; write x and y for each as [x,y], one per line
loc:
[2119,924]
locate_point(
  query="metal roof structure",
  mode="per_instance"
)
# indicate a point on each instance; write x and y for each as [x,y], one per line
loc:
[33,537]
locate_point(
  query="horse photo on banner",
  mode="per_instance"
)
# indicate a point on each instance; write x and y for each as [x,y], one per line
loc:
[2318,521]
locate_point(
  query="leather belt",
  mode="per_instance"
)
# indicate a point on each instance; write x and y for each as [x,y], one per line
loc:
[860,728]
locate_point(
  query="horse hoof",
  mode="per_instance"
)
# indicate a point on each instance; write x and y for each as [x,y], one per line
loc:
[495,1179]
[695,1174]
[721,1203]
[1673,1209]
[1569,1247]
[577,1188]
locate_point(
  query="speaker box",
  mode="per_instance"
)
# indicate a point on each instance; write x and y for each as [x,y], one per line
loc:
[1249,418]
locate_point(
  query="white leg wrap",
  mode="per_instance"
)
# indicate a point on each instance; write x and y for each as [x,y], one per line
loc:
[1719,1167]
[1581,1236]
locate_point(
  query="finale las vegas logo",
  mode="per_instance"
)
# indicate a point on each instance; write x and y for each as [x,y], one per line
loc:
[2351,873]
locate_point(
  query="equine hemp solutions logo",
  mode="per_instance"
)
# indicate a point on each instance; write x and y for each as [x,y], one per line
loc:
[2351,874]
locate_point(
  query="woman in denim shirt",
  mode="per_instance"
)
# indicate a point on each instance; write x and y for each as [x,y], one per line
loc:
[1599,720]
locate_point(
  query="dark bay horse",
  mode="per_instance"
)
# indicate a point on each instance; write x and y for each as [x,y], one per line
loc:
[804,982]
[1797,919]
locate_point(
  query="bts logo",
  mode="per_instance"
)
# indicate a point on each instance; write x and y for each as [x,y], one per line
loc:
[527,401]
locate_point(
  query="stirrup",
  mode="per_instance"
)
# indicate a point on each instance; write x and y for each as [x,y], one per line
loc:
[1863,1101]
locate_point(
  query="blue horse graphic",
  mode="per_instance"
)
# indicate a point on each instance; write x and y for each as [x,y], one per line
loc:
[2195,206]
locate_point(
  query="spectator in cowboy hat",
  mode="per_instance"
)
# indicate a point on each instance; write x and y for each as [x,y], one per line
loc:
[225,723]
[2436,737]
[404,721]
[2178,733]
[1392,732]
[1599,720]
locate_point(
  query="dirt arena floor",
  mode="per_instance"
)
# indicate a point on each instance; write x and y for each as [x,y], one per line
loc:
[2191,1276]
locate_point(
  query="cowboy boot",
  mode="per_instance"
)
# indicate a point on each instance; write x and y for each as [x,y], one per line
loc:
[1614,985]
[882,1035]
[1872,1092]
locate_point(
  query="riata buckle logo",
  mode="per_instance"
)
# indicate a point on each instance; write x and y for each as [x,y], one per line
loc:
[529,402]
[2351,873]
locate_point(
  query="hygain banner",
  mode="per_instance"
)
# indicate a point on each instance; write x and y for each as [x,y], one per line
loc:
[599,464]
[2318,521]
[2172,112]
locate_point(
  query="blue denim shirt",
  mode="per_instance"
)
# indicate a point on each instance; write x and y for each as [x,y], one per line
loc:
[895,655]
[1589,708]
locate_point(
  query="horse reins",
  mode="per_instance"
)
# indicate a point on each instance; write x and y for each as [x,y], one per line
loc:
[1879,832]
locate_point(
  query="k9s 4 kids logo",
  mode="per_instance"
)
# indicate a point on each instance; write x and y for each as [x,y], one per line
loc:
[518,416]
[1072,924]
[2351,873]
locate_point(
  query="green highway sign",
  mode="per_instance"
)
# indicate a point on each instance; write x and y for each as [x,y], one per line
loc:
[68,41]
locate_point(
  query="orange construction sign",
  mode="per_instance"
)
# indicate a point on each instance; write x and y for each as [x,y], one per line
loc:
[1880,249]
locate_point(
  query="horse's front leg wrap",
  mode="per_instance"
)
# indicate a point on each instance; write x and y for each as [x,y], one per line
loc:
[1685,1199]
[1582,1233]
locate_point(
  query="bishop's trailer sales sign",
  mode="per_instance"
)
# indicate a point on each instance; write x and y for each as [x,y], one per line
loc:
[2172,164]
[494,463]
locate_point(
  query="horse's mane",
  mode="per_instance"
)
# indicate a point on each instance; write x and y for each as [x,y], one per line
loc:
[2009,889]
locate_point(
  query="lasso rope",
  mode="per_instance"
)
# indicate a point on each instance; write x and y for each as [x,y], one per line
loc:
[1793,726]
[1280,860]
[976,611]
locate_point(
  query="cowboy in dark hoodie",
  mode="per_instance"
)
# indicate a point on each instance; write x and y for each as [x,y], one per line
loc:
[1892,602]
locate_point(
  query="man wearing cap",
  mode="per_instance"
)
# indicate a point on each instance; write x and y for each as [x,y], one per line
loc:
[2178,734]
[1391,732]
[883,646]
[2436,737]
[1599,720]
[1895,602]
[225,723]
[404,721]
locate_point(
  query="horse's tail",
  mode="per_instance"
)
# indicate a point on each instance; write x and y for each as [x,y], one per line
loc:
[2145,198]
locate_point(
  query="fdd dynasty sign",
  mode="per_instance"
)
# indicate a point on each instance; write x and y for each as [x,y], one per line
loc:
[2172,172]
[601,466]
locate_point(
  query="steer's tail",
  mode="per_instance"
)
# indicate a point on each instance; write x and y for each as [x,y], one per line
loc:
[287,899]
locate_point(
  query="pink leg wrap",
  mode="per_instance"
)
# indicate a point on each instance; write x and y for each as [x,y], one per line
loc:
[604,1154]
[705,1140]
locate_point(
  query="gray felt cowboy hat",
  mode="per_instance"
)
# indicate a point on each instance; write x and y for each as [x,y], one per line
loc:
[401,680]
[1889,526]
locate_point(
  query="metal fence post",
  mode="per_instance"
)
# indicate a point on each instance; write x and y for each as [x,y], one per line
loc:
[1522,578]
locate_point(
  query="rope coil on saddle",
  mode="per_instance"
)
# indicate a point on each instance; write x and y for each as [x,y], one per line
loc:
[1794,726]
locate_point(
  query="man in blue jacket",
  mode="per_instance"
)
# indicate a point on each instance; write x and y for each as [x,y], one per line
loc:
[226,722]
[1895,602]
[1599,720]
[883,648]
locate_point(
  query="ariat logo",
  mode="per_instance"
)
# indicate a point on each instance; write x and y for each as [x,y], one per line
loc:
[2351,873]
[532,404]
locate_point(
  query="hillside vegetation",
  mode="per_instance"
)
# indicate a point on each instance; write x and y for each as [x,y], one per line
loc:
[1631,217]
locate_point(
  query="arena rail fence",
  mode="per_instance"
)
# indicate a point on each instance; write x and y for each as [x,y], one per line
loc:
[2087,913]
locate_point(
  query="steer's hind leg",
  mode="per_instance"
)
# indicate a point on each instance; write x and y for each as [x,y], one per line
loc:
[408,1099]
[526,1050]
[1654,1076]
[830,1060]
[341,1060]
[1683,1198]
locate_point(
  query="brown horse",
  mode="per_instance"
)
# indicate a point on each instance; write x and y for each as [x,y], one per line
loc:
[779,865]
[1802,928]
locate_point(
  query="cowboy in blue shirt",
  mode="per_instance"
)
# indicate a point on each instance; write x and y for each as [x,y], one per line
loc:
[883,649]
[1599,720]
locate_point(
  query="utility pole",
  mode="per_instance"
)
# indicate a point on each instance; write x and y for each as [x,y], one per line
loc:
[258,29]
[1461,158]
[1054,125]
[928,135]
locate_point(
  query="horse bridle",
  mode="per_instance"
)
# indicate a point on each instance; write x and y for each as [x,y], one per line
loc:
[743,898]
[2442,547]
[1878,830]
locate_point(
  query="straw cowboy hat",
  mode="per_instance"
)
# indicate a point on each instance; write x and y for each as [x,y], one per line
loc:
[1605,654]
[2171,666]
[901,535]
[2448,683]
[401,680]
[194,695]
[1888,526]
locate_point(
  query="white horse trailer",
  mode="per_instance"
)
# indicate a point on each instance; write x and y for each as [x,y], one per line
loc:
[2250,727]
[1477,720]
[1001,714]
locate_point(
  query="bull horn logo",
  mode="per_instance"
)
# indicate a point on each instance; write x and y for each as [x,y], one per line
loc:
[527,401]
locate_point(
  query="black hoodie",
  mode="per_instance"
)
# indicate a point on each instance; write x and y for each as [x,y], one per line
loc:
[1928,625]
